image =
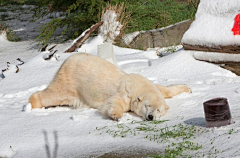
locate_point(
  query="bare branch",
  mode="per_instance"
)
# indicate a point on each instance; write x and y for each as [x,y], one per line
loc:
[84,36]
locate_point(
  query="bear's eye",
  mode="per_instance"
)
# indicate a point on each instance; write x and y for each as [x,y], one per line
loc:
[158,110]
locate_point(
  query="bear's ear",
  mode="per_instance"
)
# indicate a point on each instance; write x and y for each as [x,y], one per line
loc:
[166,107]
[140,98]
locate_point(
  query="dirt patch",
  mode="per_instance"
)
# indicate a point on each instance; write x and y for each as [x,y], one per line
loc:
[231,66]
[137,153]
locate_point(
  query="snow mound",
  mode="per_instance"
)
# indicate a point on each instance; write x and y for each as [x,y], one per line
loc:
[3,37]
[27,108]
[213,24]
[7,152]
[216,57]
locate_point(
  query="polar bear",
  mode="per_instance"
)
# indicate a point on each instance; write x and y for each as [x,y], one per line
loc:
[86,80]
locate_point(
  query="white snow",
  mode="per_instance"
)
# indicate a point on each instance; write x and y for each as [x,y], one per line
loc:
[111,26]
[25,130]
[128,38]
[217,57]
[213,24]
[83,132]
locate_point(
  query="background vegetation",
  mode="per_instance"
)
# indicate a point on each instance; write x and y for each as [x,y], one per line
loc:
[78,15]
[11,36]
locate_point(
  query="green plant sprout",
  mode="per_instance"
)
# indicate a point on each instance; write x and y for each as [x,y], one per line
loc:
[177,138]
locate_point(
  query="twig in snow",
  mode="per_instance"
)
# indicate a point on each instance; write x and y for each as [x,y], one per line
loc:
[17,69]
[43,49]
[12,68]
[22,62]
[8,67]
[49,56]
[51,49]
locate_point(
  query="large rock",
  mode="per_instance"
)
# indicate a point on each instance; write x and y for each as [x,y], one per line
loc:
[162,37]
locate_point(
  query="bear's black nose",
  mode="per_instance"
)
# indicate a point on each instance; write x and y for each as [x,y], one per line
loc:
[150,117]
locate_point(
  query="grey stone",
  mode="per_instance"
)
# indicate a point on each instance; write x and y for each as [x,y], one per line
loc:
[163,37]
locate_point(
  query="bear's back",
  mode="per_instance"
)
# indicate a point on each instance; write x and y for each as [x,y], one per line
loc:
[94,78]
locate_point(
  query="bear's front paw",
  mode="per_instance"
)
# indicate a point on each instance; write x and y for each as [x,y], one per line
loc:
[115,113]
[184,88]
[187,89]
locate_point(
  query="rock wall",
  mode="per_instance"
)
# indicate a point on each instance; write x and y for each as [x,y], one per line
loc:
[162,37]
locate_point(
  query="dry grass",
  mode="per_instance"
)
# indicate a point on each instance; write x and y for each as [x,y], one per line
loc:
[11,36]
[3,28]
[193,3]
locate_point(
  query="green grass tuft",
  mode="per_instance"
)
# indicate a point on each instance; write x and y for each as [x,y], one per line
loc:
[177,139]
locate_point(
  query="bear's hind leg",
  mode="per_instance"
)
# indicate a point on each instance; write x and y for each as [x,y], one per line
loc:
[48,98]
[74,102]
[35,100]
[42,99]
[172,90]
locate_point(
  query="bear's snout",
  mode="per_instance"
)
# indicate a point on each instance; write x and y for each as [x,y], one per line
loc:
[150,117]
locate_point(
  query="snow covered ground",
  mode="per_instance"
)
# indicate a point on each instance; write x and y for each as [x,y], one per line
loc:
[75,132]
[65,132]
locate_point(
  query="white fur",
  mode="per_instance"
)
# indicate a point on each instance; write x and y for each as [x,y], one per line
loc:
[88,81]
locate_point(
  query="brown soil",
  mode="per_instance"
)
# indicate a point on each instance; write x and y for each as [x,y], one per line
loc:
[231,66]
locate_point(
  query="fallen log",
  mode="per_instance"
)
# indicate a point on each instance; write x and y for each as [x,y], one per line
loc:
[231,49]
[83,37]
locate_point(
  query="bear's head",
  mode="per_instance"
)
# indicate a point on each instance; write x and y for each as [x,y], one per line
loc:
[146,99]
[150,106]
